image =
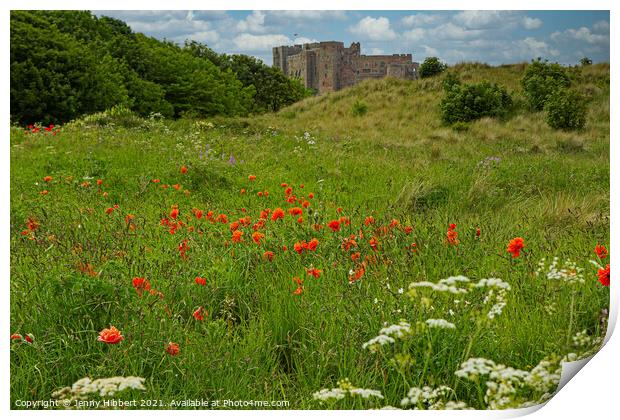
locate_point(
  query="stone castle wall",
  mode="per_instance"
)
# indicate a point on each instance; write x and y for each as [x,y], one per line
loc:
[329,66]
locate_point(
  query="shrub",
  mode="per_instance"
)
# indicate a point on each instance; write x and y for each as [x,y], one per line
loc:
[468,102]
[540,80]
[431,67]
[566,109]
[585,61]
[359,108]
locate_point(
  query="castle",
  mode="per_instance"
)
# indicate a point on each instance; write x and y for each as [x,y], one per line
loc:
[329,66]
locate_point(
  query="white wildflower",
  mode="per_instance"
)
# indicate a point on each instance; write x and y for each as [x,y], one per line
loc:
[440,323]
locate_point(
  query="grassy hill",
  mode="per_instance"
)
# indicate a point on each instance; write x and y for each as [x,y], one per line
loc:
[394,178]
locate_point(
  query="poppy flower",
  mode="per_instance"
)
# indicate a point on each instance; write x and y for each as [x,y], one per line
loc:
[251,177]
[334,225]
[295,211]
[47,178]
[408,229]
[268,255]
[156,181]
[109,210]
[394,223]
[373,243]
[200,281]
[44,192]
[177,187]
[284,185]
[199,314]
[183,247]
[311,196]
[233,226]
[29,338]
[601,251]
[99,181]
[172,349]
[110,335]
[314,242]
[299,286]
[478,232]
[355,256]
[300,220]
[314,272]
[277,214]
[257,236]
[515,246]
[183,169]
[299,248]
[288,191]
[16,337]
[85,184]
[174,213]
[452,235]
[242,191]
[222,218]
[236,236]
[260,193]
[369,220]
[141,284]
[603,276]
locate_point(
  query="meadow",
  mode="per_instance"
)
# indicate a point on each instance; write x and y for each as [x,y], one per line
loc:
[320,255]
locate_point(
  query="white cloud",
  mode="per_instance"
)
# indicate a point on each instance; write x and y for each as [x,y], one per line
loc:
[254,23]
[376,51]
[414,35]
[309,14]
[250,42]
[374,29]
[451,31]
[531,23]
[420,19]
[601,26]
[528,48]
[582,34]
[485,19]
[303,40]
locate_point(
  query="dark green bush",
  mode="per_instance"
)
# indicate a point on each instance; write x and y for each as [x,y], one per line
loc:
[468,102]
[540,80]
[359,108]
[431,67]
[566,109]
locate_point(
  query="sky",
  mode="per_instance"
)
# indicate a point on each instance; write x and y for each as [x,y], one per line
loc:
[494,37]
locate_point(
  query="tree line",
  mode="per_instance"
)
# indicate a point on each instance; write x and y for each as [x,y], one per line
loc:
[65,64]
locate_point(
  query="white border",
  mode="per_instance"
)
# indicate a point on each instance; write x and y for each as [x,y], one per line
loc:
[593,393]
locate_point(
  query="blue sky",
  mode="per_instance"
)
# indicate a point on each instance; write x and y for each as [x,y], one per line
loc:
[495,37]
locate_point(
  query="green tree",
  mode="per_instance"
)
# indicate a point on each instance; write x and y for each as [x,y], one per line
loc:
[431,67]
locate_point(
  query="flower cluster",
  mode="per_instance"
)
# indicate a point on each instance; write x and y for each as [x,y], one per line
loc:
[569,273]
[84,388]
[345,388]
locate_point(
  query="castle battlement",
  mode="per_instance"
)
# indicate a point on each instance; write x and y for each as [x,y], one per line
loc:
[329,65]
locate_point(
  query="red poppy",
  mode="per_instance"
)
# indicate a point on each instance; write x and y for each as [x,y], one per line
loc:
[369,220]
[314,272]
[141,284]
[295,211]
[478,232]
[222,218]
[172,349]
[44,192]
[311,196]
[373,243]
[268,255]
[314,242]
[16,337]
[110,335]
[334,225]
[515,246]
[200,281]
[47,178]
[257,236]
[251,177]
[603,276]
[284,185]
[299,286]
[200,313]
[174,213]
[452,235]
[109,210]
[183,169]
[288,191]
[277,214]
[601,251]
[183,247]
[236,236]
[408,229]
[234,226]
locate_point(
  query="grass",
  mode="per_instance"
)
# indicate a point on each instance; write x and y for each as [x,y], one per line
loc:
[260,341]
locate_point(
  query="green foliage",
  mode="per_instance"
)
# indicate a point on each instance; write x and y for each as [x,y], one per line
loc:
[65,64]
[566,109]
[585,61]
[431,67]
[540,80]
[359,108]
[468,102]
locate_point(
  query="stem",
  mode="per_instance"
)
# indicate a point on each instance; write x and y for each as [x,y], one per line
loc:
[570,322]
